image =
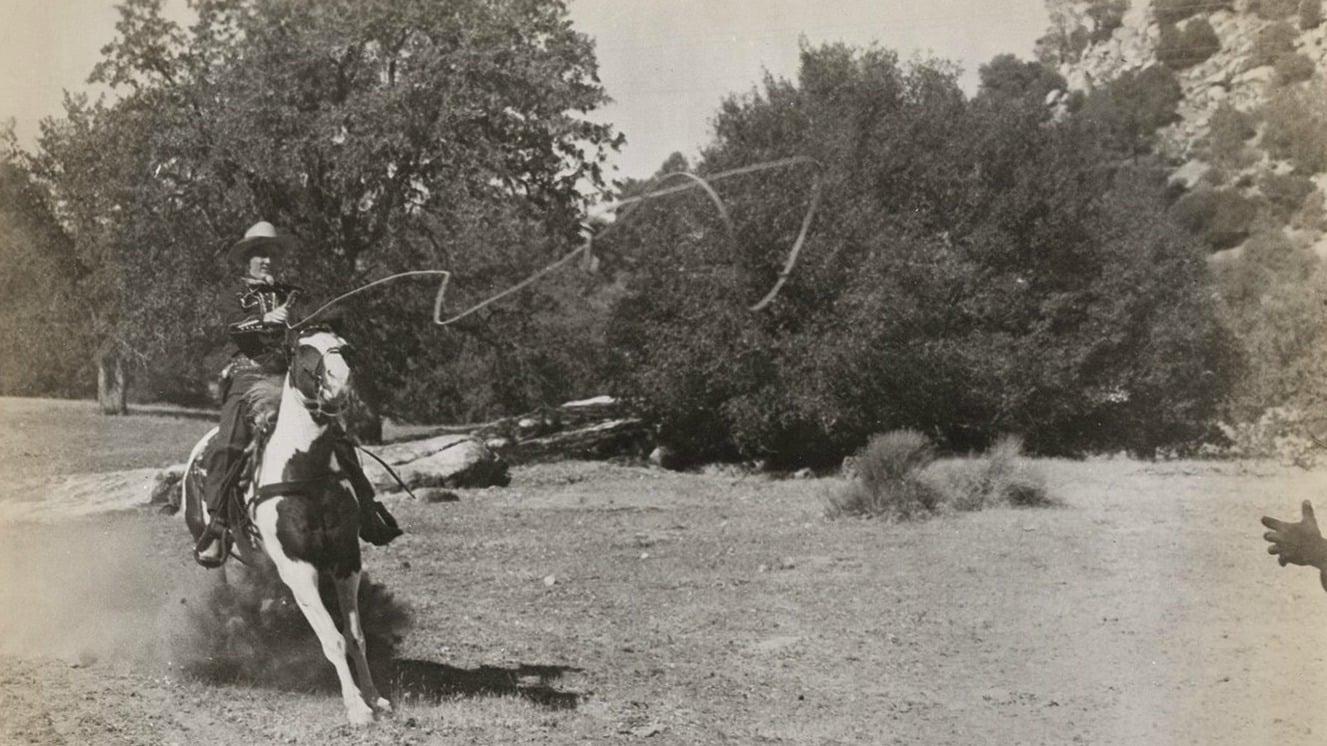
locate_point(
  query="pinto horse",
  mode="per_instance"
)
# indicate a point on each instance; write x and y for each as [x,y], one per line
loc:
[301,516]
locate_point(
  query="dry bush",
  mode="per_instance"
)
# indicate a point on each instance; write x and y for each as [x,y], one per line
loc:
[1271,10]
[1285,193]
[1186,47]
[1293,68]
[1296,130]
[1221,217]
[1000,477]
[1227,134]
[1274,41]
[890,481]
[897,478]
[1312,214]
[1310,14]
[1284,434]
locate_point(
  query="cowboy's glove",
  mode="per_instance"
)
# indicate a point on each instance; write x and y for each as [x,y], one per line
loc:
[277,315]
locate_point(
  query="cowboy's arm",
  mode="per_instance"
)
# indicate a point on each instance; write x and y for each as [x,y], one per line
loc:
[1299,543]
[245,318]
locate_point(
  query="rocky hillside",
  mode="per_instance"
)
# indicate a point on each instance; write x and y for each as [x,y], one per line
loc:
[1248,135]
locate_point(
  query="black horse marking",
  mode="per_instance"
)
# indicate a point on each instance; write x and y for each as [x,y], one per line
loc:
[320,524]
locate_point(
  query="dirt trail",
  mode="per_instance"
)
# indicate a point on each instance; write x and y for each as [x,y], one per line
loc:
[721,609]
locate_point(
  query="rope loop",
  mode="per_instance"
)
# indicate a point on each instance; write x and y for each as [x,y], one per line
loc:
[631,204]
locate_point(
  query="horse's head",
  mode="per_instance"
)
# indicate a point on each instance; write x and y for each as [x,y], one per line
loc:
[320,373]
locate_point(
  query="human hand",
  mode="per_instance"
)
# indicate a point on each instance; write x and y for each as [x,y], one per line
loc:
[277,315]
[1298,543]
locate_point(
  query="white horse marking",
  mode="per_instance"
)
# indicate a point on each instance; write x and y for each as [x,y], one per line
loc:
[333,550]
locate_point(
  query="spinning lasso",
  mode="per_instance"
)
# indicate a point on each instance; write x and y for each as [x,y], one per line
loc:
[631,203]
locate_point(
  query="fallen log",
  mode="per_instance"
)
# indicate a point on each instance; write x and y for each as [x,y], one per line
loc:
[597,441]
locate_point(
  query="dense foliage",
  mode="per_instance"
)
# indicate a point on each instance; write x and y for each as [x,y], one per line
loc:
[977,269]
[387,135]
[1133,106]
[1181,47]
[1174,11]
[45,332]
[1273,297]
[1296,129]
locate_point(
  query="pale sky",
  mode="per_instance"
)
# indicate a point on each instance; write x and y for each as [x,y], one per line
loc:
[666,63]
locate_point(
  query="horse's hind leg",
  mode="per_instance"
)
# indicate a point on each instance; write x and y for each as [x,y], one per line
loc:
[302,578]
[347,595]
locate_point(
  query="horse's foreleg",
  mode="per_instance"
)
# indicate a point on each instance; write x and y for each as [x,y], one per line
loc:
[302,578]
[347,595]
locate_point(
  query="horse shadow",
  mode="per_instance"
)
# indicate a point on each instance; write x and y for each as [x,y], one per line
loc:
[409,678]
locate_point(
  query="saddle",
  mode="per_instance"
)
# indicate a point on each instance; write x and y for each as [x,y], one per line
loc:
[377,526]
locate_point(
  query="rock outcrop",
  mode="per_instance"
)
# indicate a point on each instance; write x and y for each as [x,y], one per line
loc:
[1260,57]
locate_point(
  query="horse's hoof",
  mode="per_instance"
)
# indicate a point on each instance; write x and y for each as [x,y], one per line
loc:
[383,706]
[362,715]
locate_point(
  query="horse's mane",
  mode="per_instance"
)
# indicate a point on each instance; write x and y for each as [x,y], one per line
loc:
[264,398]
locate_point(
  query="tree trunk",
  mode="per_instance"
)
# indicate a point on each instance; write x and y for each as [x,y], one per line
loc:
[112,384]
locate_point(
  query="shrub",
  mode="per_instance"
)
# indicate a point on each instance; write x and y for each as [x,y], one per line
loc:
[1281,433]
[1274,294]
[1285,193]
[1174,11]
[1228,131]
[1293,68]
[1137,103]
[1310,14]
[1106,15]
[1000,477]
[1273,42]
[1272,10]
[1221,217]
[1186,47]
[1296,130]
[1312,213]
[890,481]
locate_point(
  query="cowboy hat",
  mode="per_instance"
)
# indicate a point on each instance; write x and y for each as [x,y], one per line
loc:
[261,238]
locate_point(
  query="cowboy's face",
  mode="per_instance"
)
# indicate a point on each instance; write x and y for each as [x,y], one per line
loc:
[260,267]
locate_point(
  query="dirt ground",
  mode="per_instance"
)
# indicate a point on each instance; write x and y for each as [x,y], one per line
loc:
[599,603]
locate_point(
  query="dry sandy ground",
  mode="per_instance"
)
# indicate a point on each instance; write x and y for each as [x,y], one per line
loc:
[718,608]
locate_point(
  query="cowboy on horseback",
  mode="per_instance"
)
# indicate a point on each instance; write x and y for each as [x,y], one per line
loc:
[257,323]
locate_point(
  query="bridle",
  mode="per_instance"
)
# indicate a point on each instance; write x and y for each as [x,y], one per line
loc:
[317,408]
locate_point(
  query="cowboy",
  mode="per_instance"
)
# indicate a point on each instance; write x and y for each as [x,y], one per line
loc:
[257,323]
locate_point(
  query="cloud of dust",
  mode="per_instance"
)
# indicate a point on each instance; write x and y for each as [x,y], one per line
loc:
[111,592]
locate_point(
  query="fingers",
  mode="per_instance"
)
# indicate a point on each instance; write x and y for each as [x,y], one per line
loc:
[1274,549]
[1307,508]
[1273,524]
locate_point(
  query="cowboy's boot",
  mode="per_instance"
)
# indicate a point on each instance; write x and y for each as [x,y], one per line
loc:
[376,525]
[213,546]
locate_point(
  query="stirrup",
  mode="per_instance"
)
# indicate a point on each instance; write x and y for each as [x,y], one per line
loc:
[376,525]
[219,535]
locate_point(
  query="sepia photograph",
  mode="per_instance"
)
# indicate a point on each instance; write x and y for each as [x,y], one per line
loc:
[663,372]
